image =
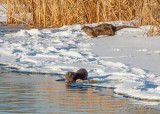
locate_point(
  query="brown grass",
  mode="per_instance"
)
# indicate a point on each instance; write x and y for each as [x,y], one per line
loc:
[47,13]
[2,1]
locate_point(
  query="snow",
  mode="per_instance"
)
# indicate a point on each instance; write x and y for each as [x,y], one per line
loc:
[2,13]
[128,61]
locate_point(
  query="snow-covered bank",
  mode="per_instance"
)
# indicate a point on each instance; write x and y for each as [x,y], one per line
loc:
[107,59]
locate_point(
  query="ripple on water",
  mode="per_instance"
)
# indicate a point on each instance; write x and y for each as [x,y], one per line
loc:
[42,94]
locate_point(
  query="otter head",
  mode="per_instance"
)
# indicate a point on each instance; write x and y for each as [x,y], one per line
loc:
[86,28]
[69,76]
[89,31]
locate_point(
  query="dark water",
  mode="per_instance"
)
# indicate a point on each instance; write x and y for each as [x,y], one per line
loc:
[42,94]
[10,29]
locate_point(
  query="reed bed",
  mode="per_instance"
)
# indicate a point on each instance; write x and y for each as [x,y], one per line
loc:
[2,1]
[49,13]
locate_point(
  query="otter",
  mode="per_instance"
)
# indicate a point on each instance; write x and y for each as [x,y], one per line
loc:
[73,76]
[103,29]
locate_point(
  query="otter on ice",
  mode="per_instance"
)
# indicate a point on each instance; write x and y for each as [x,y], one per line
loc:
[103,29]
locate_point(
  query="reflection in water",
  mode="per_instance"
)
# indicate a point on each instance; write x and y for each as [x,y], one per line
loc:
[42,94]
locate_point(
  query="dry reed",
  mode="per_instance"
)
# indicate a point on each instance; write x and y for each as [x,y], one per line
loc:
[48,13]
[154,31]
[2,1]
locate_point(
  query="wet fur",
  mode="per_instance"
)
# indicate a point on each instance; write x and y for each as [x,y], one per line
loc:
[103,29]
[73,76]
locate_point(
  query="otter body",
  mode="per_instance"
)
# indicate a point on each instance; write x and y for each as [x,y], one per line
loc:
[103,29]
[73,76]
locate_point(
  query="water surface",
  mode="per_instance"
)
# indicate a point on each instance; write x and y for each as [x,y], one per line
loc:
[37,94]
[10,29]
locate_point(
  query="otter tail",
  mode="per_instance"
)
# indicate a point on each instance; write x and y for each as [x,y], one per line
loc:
[124,26]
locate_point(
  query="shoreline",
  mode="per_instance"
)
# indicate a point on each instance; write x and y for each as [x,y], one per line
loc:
[15,70]
[73,99]
[68,48]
